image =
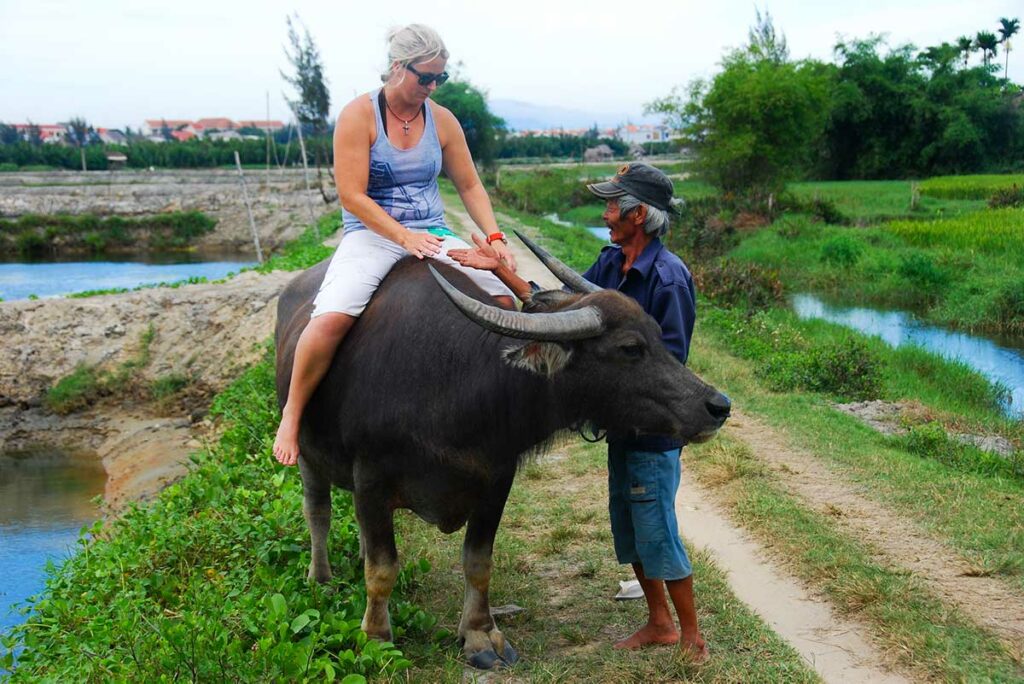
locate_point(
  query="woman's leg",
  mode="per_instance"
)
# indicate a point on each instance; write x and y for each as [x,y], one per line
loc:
[313,354]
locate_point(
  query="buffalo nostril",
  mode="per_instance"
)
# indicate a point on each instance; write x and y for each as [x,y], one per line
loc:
[718,406]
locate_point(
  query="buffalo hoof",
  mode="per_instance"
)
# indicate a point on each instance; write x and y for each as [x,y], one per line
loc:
[491,660]
[319,575]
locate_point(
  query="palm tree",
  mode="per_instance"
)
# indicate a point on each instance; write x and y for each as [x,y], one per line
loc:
[1009,28]
[966,47]
[987,43]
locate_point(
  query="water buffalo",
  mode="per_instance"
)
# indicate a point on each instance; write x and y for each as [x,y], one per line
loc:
[436,396]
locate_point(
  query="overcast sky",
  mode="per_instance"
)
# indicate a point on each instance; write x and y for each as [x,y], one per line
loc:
[118,62]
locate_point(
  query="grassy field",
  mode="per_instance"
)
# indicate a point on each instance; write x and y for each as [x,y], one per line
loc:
[788,372]
[874,201]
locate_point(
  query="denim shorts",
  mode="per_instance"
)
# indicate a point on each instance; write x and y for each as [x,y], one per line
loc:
[642,489]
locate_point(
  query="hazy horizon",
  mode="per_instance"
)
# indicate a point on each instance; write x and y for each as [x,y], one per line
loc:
[131,61]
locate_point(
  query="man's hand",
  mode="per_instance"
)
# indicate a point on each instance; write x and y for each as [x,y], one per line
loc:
[503,252]
[484,256]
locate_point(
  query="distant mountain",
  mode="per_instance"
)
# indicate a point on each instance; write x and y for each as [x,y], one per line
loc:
[520,115]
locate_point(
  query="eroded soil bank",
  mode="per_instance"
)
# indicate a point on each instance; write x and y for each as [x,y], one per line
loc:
[201,335]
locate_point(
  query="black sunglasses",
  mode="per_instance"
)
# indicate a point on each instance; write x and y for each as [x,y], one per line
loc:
[427,79]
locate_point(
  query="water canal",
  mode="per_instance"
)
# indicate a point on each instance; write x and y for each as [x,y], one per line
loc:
[1001,360]
[52,278]
[46,497]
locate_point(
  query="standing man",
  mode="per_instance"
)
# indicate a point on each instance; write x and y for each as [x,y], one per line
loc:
[643,471]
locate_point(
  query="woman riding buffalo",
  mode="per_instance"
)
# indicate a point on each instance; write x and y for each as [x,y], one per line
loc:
[389,147]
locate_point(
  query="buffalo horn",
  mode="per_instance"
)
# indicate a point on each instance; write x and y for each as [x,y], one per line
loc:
[569,277]
[560,326]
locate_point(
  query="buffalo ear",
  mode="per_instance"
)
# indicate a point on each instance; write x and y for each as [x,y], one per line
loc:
[549,300]
[542,358]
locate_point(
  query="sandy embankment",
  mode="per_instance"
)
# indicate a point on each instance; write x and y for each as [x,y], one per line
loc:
[207,333]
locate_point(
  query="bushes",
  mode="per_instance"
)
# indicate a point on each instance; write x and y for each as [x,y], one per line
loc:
[920,269]
[841,251]
[36,234]
[1012,196]
[843,365]
[730,283]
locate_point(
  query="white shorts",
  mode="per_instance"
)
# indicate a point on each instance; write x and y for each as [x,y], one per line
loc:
[363,259]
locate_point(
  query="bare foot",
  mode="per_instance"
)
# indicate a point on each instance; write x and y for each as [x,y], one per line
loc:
[286,444]
[649,635]
[696,652]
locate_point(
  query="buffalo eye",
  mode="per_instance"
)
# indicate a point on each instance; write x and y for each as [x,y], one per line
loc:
[632,350]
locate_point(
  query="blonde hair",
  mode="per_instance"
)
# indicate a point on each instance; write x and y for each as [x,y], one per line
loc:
[412,44]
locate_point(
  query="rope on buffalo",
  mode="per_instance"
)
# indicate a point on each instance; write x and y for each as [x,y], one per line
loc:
[596,433]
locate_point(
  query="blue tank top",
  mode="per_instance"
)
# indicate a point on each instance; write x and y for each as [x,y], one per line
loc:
[404,182]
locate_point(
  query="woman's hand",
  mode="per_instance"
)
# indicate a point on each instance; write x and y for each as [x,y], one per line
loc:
[484,257]
[503,253]
[421,245]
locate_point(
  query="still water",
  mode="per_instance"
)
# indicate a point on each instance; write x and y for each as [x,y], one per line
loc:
[45,499]
[999,360]
[46,279]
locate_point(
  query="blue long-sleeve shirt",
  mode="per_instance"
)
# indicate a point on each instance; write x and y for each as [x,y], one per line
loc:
[660,282]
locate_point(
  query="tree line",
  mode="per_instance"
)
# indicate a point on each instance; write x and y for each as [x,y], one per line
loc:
[873,112]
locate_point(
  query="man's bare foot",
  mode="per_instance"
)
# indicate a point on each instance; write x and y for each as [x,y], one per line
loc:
[696,652]
[649,635]
[286,443]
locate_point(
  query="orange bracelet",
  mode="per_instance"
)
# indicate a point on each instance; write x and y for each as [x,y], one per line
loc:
[497,236]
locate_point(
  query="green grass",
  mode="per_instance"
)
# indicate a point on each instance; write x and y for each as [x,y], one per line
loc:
[867,202]
[553,557]
[935,640]
[946,285]
[86,385]
[978,187]
[993,230]
[978,511]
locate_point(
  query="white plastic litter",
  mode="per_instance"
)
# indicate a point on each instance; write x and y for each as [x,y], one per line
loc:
[629,590]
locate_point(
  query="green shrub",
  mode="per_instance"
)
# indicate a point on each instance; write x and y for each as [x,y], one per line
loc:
[8,166]
[30,244]
[920,269]
[75,391]
[1009,306]
[848,368]
[841,251]
[169,385]
[1012,196]
[731,283]
[704,230]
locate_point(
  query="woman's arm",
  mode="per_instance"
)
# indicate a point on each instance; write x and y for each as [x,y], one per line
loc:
[352,140]
[459,166]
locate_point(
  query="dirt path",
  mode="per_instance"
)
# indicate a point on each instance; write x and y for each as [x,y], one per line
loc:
[986,600]
[839,650]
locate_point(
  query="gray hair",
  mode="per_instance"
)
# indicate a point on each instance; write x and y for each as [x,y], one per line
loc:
[412,44]
[657,221]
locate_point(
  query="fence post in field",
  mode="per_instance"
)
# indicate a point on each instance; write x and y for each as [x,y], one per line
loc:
[915,195]
[248,208]
[305,174]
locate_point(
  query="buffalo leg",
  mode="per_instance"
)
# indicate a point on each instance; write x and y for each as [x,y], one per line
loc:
[316,506]
[483,643]
[380,565]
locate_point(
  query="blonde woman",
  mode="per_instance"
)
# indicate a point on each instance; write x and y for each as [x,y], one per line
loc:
[389,147]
